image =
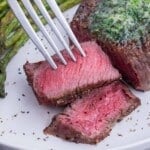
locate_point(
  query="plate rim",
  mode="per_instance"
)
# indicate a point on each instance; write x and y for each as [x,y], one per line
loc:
[132,145]
[128,146]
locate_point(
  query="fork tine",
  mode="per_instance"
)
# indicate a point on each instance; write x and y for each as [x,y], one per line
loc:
[28,28]
[38,22]
[48,18]
[62,20]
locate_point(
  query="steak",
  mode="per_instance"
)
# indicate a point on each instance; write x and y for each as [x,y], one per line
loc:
[132,60]
[89,119]
[80,22]
[62,86]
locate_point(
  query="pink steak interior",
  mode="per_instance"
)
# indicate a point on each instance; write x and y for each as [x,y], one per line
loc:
[92,114]
[94,68]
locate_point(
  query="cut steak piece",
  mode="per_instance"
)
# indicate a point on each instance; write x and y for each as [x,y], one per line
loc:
[89,119]
[132,60]
[62,86]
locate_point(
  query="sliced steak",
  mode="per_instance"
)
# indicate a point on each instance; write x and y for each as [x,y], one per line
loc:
[90,119]
[62,86]
[132,61]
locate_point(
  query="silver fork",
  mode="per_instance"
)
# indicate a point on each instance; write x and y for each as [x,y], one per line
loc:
[19,13]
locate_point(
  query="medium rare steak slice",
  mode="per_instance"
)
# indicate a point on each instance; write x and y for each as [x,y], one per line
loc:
[62,86]
[89,119]
[122,28]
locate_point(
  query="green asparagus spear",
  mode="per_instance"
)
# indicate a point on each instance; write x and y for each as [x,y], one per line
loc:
[69,4]
[3,13]
[12,27]
[4,62]
[7,19]
[3,5]
[9,42]
[16,36]
[2,1]
[2,80]
[13,39]
[15,24]
[60,1]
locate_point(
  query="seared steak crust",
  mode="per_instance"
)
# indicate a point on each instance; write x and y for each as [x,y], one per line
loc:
[79,121]
[132,61]
[80,21]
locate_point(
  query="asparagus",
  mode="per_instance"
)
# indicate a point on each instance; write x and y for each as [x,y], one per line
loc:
[2,80]
[69,4]
[3,8]
[3,5]
[60,1]
[2,14]
[7,19]
[9,29]
[14,24]
[11,40]
[12,27]
[6,59]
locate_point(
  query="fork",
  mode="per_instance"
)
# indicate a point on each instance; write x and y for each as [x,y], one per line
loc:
[19,13]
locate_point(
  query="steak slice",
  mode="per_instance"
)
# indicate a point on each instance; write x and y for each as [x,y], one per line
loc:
[89,119]
[133,61]
[62,86]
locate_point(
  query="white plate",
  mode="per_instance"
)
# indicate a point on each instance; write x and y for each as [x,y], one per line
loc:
[22,119]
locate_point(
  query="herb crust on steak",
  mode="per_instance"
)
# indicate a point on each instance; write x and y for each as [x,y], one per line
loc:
[122,29]
[121,21]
